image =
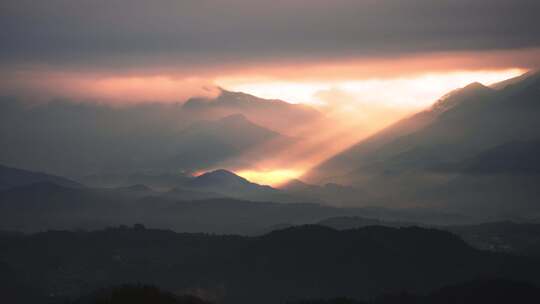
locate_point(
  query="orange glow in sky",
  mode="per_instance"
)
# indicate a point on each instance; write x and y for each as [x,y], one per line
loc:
[354,109]
[414,92]
[270,177]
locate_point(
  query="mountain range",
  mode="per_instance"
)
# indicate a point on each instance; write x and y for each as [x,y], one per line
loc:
[474,151]
[218,202]
[82,139]
[472,154]
[273,114]
[13,177]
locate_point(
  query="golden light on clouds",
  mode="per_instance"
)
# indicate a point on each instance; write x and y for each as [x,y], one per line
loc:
[106,88]
[390,78]
[412,92]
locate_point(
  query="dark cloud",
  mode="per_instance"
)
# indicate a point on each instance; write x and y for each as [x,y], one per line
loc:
[140,33]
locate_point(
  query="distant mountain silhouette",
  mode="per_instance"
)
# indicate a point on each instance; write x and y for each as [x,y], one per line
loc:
[210,143]
[136,188]
[97,141]
[217,202]
[219,178]
[392,140]
[12,177]
[47,205]
[136,191]
[276,115]
[434,158]
[330,193]
[43,206]
[227,184]
[163,180]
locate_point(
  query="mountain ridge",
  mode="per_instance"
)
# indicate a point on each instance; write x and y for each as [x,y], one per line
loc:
[404,167]
[12,177]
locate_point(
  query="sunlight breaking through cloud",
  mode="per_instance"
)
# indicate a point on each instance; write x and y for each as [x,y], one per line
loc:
[413,92]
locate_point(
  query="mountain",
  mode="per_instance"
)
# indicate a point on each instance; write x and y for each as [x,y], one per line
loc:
[47,205]
[12,177]
[290,264]
[186,194]
[221,179]
[136,191]
[392,140]
[197,207]
[225,141]
[213,203]
[330,193]
[503,84]
[75,139]
[435,163]
[227,184]
[155,180]
[81,139]
[511,158]
[274,114]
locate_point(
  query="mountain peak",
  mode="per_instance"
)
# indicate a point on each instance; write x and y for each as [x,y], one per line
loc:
[232,99]
[469,92]
[474,86]
[218,177]
[220,172]
[226,94]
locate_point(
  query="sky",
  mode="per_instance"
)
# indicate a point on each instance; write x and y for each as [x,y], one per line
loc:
[371,60]
[106,49]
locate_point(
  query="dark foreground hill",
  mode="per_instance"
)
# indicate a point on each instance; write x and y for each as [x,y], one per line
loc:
[290,264]
[509,237]
[136,294]
[474,292]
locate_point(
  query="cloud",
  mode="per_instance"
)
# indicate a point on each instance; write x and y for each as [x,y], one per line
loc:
[190,34]
[138,50]
[43,85]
